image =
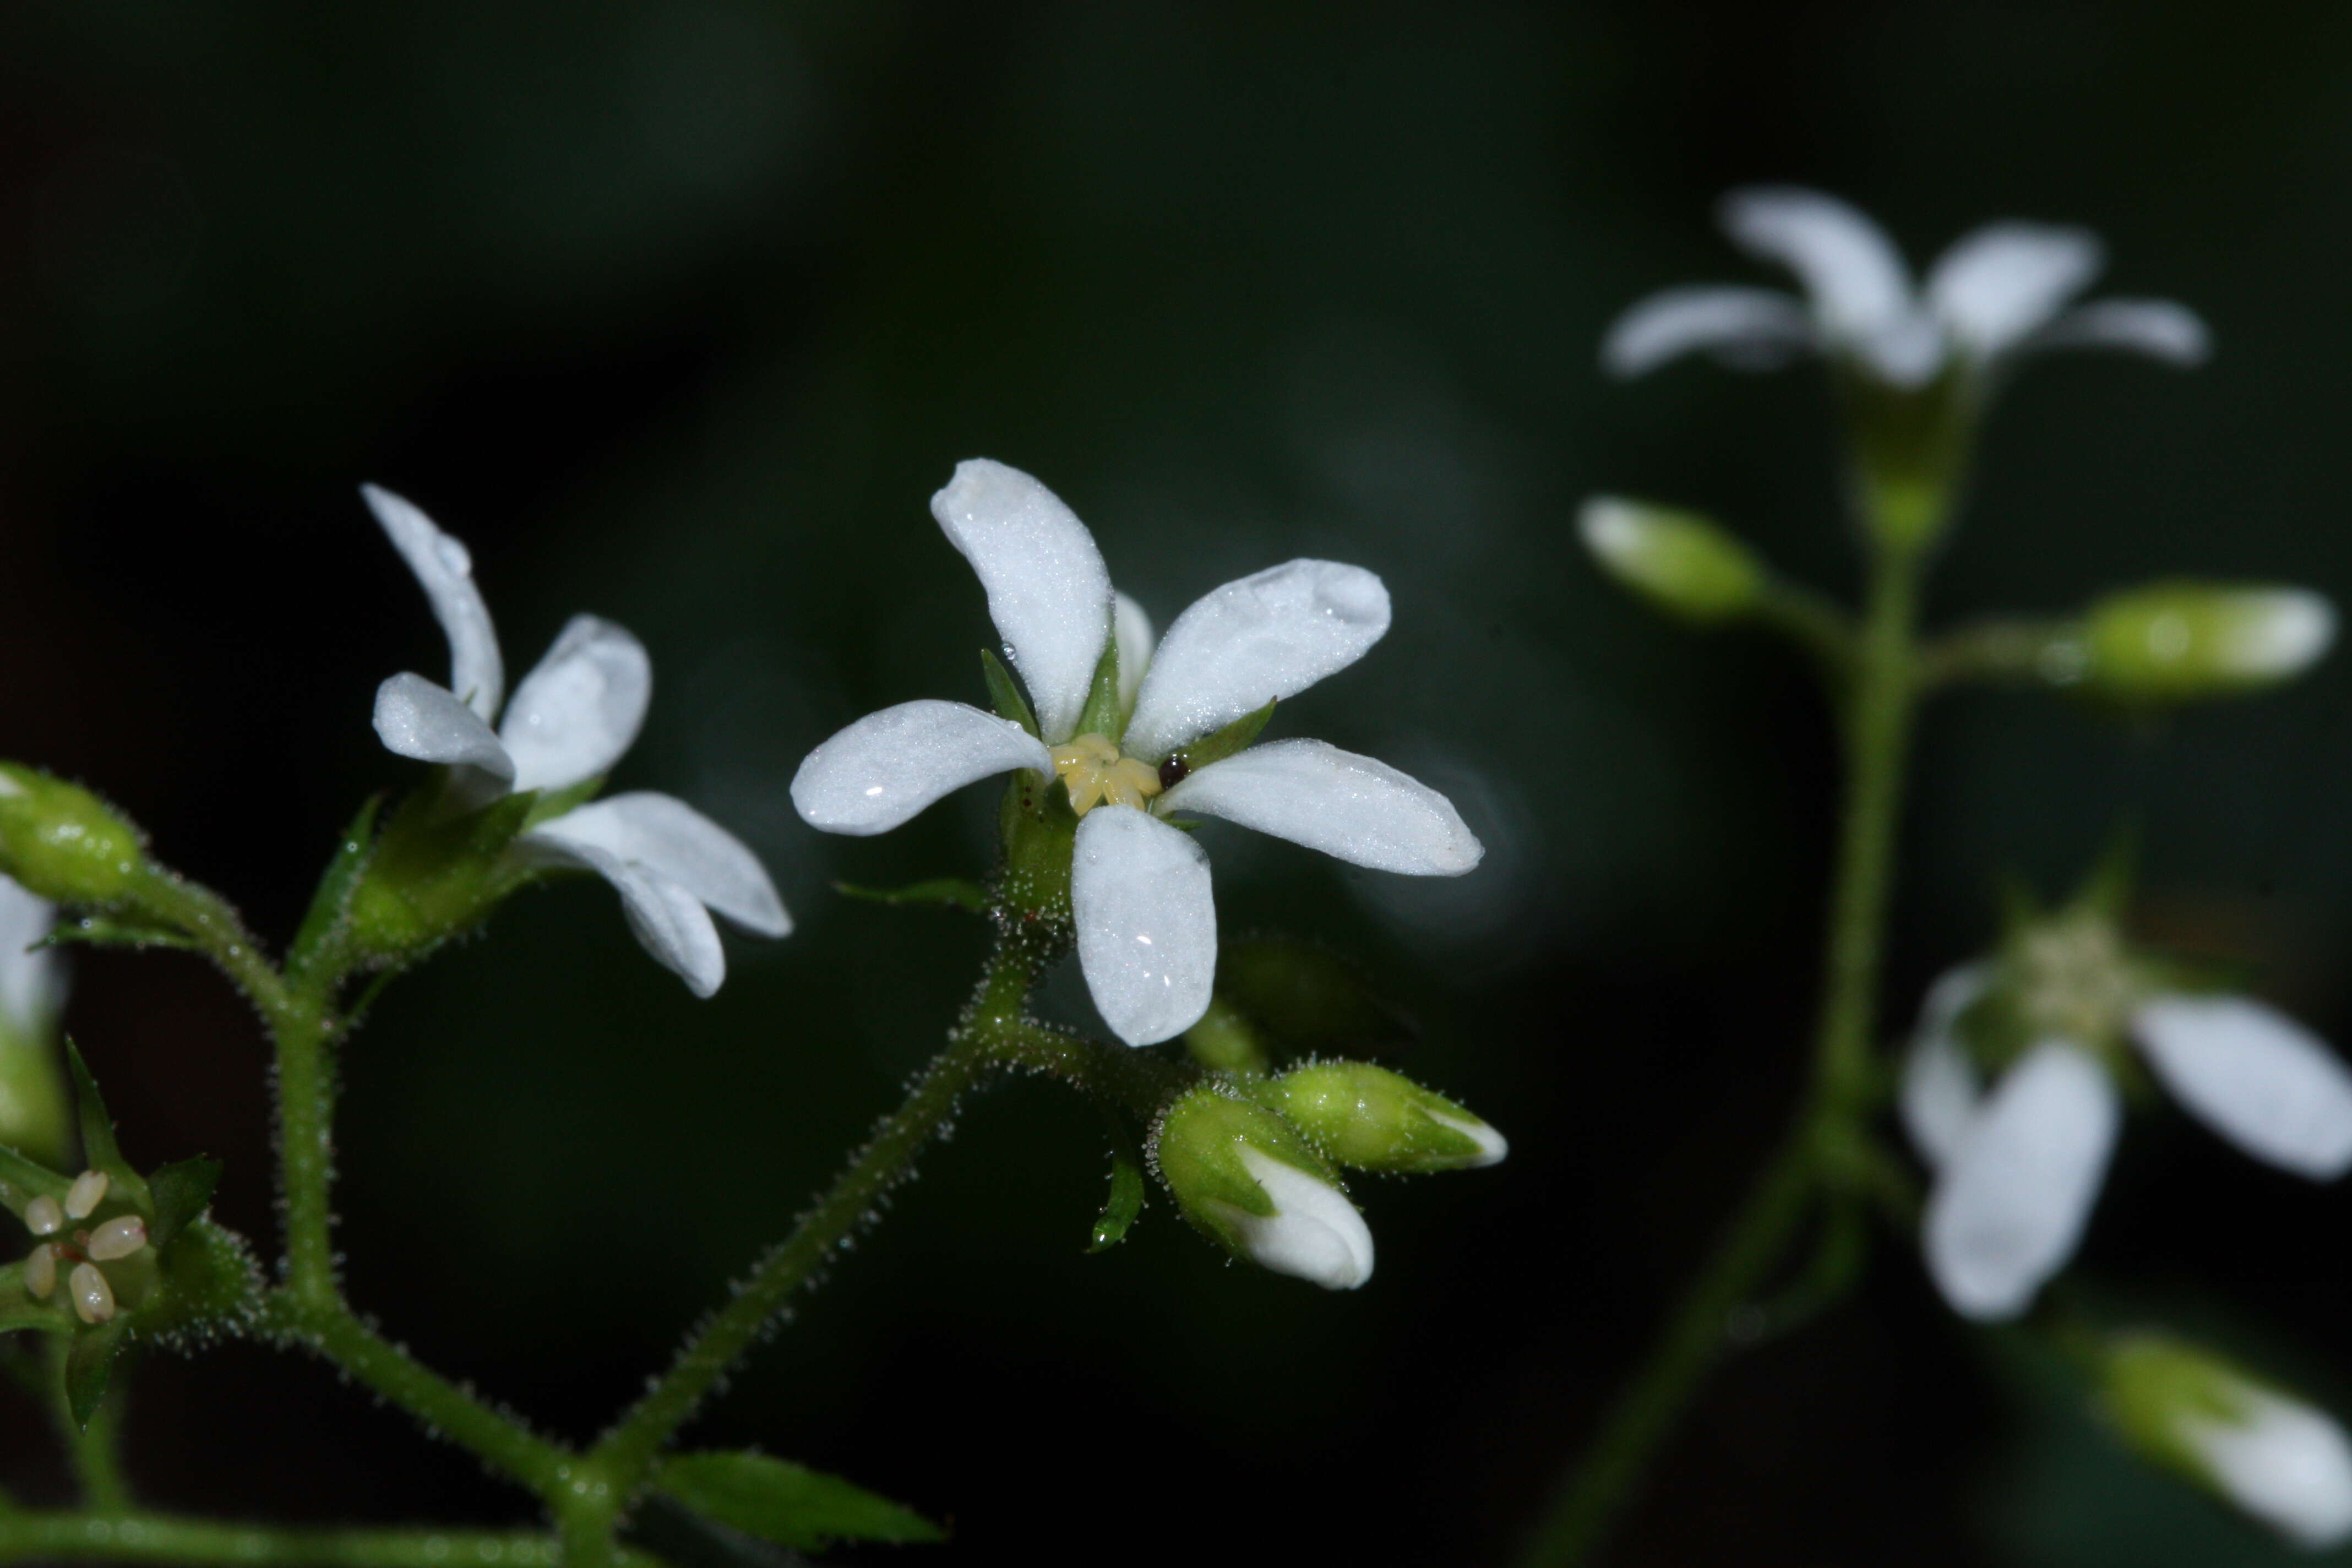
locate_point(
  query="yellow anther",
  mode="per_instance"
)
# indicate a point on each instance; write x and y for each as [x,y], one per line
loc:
[1094,773]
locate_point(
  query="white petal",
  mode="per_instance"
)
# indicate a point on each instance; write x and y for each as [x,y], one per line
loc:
[1748,329]
[1315,1232]
[2008,1210]
[1357,809]
[2254,1076]
[2000,285]
[578,710]
[1860,289]
[1048,591]
[2285,1463]
[668,921]
[1265,636]
[415,718]
[446,574]
[1146,923]
[1940,1093]
[1131,629]
[663,836]
[2160,328]
[888,765]
[32,979]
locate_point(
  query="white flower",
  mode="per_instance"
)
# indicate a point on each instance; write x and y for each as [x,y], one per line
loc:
[32,978]
[1147,929]
[2000,290]
[1314,1234]
[2017,1169]
[573,717]
[2281,1460]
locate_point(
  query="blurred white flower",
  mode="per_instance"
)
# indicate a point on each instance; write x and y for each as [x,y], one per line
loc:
[2018,1167]
[2000,290]
[573,717]
[1147,930]
[32,978]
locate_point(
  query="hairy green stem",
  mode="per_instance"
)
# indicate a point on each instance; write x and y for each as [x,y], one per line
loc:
[1876,713]
[163,1538]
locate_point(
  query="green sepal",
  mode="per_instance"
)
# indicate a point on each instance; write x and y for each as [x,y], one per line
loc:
[182,1191]
[22,1180]
[947,892]
[435,875]
[99,1150]
[549,805]
[1004,695]
[1102,715]
[330,906]
[89,1365]
[1219,744]
[111,931]
[1125,1200]
[789,1504]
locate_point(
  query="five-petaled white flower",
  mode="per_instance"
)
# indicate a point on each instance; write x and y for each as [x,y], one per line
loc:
[2000,290]
[2018,1169]
[1146,923]
[573,717]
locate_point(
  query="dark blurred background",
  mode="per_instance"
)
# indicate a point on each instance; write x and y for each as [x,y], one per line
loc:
[679,313]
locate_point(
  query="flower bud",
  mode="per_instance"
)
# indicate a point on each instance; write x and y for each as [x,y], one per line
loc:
[2254,1446]
[1374,1120]
[2170,642]
[1678,561]
[61,841]
[1247,1180]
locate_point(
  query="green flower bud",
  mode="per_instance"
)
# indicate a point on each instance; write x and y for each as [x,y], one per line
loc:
[2170,642]
[1678,561]
[1250,1182]
[61,841]
[1374,1120]
[2251,1445]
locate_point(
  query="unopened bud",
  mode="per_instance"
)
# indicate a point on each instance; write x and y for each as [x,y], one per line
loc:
[1680,562]
[2255,1446]
[2171,642]
[1247,1180]
[62,842]
[1374,1120]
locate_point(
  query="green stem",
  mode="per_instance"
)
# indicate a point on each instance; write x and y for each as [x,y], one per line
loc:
[92,1453]
[1876,710]
[161,1538]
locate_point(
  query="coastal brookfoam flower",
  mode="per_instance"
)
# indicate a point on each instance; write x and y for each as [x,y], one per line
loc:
[2019,1166]
[80,1252]
[573,717]
[2003,290]
[1141,900]
[1245,1178]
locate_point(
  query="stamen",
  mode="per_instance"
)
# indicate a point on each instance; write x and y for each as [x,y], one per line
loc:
[1096,774]
[41,1272]
[118,1237]
[43,1217]
[88,1190]
[93,1297]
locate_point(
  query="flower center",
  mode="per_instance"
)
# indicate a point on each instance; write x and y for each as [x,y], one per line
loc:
[1094,773]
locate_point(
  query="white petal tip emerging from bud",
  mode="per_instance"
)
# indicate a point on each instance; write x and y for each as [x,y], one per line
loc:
[88,1190]
[118,1237]
[93,1297]
[41,1272]
[2282,632]
[1314,1234]
[2283,1462]
[1492,1145]
[43,1216]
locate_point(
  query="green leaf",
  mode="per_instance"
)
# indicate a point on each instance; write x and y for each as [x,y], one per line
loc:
[789,1504]
[1100,716]
[99,1150]
[1125,1200]
[951,892]
[89,1366]
[1004,695]
[1220,744]
[330,905]
[107,930]
[182,1191]
[22,1180]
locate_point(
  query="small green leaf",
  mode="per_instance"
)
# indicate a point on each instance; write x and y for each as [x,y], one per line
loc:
[951,892]
[1100,716]
[1004,695]
[1125,1200]
[1216,746]
[182,1191]
[99,1150]
[330,905]
[789,1504]
[22,1180]
[89,1366]
[106,931]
